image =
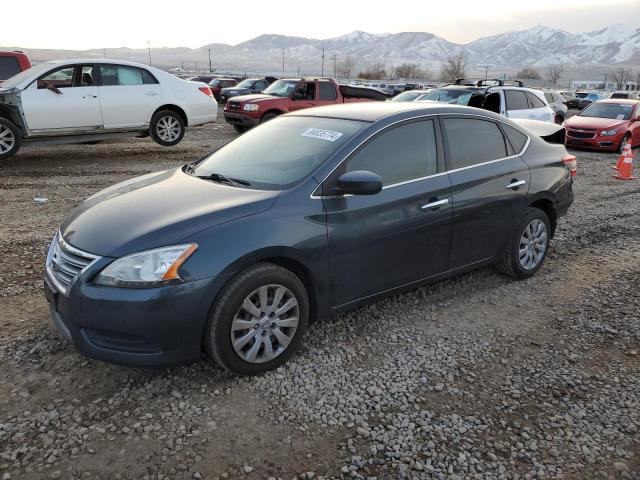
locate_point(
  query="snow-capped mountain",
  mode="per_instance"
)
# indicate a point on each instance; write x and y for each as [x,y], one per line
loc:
[537,46]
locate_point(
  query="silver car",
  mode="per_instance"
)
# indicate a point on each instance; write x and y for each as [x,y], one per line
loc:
[558,104]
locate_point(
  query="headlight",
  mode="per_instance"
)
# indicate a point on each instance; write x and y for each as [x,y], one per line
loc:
[152,268]
[609,133]
[250,107]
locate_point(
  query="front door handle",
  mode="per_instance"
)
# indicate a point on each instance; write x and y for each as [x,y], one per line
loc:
[435,204]
[515,184]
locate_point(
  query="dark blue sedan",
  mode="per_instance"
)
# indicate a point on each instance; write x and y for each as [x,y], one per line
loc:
[310,214]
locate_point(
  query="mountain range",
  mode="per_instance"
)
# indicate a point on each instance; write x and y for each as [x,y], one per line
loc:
[538,47]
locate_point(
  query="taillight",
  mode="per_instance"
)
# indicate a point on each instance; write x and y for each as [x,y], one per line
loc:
[206,90]
[571,162]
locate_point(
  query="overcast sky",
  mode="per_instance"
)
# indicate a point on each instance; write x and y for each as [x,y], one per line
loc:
[80,25]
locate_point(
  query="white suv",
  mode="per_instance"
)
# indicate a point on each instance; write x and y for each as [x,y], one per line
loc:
[75,101]
[514,101]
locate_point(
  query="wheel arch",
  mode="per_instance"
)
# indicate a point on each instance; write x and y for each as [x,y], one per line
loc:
[176,109]
[545,201]
[272,110]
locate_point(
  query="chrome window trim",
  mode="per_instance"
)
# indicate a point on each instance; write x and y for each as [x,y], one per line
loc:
[63,245]
[446,172]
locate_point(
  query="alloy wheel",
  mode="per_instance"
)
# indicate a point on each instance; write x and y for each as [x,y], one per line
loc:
[265,323]
[533,245]
[7,139]
[168,128]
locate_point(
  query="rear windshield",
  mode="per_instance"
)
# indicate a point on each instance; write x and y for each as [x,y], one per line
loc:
[449,95]
[248,83]
[614,111]
[258,156]
[406,96]
[9,66]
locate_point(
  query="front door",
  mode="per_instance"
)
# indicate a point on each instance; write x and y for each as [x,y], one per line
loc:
[305,96]
[490,187]
[66,98]
[128,95]
[400,235]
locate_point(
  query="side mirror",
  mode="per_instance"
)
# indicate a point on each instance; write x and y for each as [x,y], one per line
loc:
[360,182]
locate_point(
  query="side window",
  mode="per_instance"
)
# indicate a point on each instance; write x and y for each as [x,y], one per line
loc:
[516,100]
[403,153]
[261,85]
[534,101]
[473,141]
[148,78]
[121,75]
[306,91]
[516,137]
[86,78]
[60,78]
[549,97]
[327,91]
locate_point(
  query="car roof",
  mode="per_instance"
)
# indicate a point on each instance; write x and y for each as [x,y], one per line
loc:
[374,111]
[77,61]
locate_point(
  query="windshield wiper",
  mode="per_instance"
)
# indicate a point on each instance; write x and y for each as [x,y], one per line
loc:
[218,177]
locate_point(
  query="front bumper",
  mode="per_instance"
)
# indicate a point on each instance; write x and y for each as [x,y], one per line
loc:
[138,327]
[606,144]
[241,119]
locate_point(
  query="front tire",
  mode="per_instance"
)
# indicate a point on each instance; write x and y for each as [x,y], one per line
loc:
[258,321]
[239,128]
[527,246]
[10,138]
[268,116]
[166,128]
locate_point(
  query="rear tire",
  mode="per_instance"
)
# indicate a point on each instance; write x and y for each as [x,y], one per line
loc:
[246,335]
[240,128]
[527,246]
[166,128]
[10,138]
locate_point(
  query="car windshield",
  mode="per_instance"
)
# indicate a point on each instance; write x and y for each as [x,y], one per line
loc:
[281,88]
[614,111]
[406,96]
[257,157]
[452,95]
[592,96]
[25,75]
[248,83]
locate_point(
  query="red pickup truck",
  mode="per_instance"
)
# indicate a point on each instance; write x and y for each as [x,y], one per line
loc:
[12,63]
[291,94]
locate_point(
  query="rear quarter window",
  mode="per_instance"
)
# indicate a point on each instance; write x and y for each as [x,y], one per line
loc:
[534,101]
[516,100]
[517,139]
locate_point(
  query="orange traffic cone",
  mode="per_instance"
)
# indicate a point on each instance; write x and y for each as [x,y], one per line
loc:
[626,170]
[626,152]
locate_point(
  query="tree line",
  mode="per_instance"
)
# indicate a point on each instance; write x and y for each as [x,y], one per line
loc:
[456,67]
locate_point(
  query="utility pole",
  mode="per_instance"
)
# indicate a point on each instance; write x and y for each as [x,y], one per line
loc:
[335,65]
[149,48]
[486,71]
[210,61]
[322,70]
[283,61]
[605,80]
[298,70]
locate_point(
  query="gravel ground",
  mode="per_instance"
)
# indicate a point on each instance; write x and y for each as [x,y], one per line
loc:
[480,377]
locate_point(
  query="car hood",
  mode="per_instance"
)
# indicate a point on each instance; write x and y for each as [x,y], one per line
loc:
[235,89]
[156,210]
[254,98]
[593,122]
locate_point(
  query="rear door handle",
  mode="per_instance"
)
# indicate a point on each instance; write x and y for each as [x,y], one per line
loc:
[151,94]
[515,184]
[435,204]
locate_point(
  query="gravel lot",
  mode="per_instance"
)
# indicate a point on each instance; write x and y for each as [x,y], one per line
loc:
[480,377]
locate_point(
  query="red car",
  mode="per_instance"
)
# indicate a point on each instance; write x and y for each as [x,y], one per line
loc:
[12,63]
[217,84]
[606,125]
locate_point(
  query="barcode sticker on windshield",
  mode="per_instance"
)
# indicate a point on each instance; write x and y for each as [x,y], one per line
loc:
[322,134]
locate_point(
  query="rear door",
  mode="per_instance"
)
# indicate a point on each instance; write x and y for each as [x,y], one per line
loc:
[490,187]
[327,93]
[66,98]
[400,235]
[128,96]
[538,108]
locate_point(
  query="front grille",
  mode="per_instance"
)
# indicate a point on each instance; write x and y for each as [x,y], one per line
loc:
[65,263]
[234,105]
[581,134]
